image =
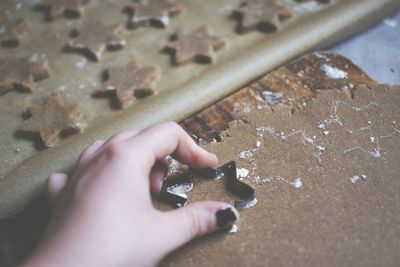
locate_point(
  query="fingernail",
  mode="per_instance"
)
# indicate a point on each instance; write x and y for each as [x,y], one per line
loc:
[215,161]
[226,217]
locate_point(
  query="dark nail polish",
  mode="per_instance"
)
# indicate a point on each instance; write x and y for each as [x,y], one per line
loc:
[225,217]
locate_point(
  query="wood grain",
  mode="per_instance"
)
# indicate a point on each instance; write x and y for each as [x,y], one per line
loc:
[296,82]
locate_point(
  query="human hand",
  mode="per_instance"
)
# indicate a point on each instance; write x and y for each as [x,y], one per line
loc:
[103,213]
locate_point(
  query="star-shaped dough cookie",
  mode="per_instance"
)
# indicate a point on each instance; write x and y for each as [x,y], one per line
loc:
[57,8]
[21,73]
[54,117]
[198,45]
[11,28]
[130,82]
[265,15]
[153,12]
[94,37]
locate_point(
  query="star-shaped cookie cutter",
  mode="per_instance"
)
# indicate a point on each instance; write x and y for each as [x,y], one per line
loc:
[178,198]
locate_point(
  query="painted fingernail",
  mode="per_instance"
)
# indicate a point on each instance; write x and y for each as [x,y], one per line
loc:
[226,217]
[216,160]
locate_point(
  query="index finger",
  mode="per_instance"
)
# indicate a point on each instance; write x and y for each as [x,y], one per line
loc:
[168,138]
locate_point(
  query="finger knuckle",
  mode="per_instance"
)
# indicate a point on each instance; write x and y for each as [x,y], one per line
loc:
[195,226]
[171,126]
[114,149]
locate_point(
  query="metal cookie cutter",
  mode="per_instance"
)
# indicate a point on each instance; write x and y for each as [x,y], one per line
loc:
[175,194]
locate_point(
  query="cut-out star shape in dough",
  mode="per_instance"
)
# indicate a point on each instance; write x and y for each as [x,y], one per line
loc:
[153,12]
[130,82]
[21,73]
[57,8]
[198,45]
[94,37]
[11,28]
[54,117]
[172,192]
[265,15]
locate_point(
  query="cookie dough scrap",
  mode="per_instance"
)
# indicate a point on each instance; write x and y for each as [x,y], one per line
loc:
[11,28]
[130,82]
[58,8]
[152,12]
[21,73]
[198,45]
[323,166]
[53,118]
[265,15]
[94,37]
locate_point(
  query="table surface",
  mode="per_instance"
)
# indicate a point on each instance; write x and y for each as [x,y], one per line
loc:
[376,51]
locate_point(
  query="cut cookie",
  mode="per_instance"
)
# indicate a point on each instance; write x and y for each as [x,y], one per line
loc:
[153,12]
[130,82]
[57,8]
[21,73]
[265,15]
[198,45]
[11,28]
[54,117]
[94,37]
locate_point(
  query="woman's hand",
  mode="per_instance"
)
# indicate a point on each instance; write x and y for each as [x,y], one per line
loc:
[103,213]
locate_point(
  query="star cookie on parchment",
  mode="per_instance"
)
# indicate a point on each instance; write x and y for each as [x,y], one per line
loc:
[265,15]
[197,45]
[57,8]
[53,118]
[21,73]
[11,28]
[94,37]
[153,12]
[130,82]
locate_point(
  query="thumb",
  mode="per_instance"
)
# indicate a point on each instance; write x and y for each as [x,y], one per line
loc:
[197,219]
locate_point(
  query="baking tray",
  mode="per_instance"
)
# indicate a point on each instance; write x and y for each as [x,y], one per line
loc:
[182,91]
